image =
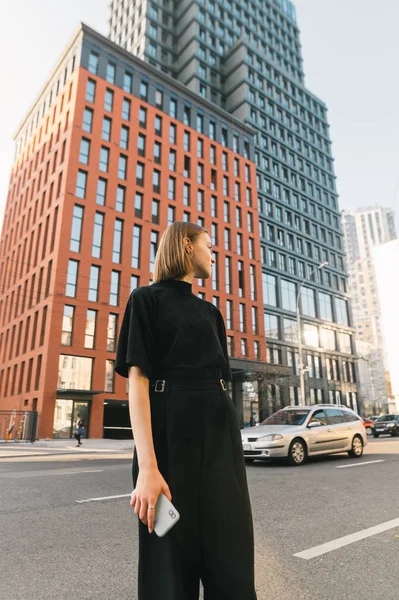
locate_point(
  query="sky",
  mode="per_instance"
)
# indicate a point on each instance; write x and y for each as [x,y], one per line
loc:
[350,50]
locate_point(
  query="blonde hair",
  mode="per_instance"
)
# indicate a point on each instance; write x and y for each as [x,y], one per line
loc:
[172,260]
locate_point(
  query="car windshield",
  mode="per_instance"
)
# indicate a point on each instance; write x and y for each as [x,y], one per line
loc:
[287,417]
[387,418]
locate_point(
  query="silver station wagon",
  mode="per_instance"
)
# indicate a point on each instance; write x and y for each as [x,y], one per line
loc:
[298,432]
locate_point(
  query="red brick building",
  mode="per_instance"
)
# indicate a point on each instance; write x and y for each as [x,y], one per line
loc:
[110,154]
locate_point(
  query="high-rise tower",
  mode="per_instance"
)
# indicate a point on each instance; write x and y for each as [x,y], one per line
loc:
[245,56]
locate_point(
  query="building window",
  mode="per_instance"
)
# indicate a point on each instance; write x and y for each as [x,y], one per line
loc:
[136,247]
[106,129]
[345,343]
[72,278]
[171,215]
[325,305]
[186,194]
[156,181]
[155,212]
[215,284]
[172,188]
[140,174]
[117,245]
[120,198]
[200,123]
[114,289]
[269,286]
[122,166]
[157,152]
[153,249]
[109,375]
[138,205]
[90,332]
[158,125]
[109,100]
[124,139]
[127,82]
[186,141]
[288,295]
[84,151]
[134,282]
[143,117]
[97,235]
[81,182]
[76,233]
[90,90]
[311,335]
[111,332]
[272,327]
[104,159]
[67,325]
[144,90]
[172,134]
[87,120]
[159,99]
[94,283]
[308,302]
[173,108]
[93,63]
[290,330]
[126,109]
[341,307]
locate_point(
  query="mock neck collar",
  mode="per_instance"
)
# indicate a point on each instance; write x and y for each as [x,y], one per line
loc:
[183,287]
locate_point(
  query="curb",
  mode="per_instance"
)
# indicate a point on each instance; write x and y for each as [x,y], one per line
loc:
[42,454]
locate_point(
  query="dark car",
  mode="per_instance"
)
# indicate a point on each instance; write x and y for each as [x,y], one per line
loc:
[386,425]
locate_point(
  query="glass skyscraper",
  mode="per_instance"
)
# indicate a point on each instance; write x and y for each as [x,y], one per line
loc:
[245,56]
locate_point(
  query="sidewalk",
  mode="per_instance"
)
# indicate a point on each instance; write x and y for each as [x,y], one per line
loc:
[62,447]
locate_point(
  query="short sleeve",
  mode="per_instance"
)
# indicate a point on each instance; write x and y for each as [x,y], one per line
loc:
[136,340]
[223,342]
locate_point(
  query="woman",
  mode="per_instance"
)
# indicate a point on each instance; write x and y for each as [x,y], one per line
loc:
[172,347]
[79,430]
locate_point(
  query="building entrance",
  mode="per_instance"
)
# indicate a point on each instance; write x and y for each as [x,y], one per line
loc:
[65,415]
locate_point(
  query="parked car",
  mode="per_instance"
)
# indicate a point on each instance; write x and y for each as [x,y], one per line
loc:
[298,432]
[368,423]
[386,425]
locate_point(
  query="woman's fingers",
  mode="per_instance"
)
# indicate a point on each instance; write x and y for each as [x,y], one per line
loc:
[166,491]
[151,513]
[143,511]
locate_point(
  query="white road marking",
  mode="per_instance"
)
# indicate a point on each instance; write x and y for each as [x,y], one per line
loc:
[103,498]
[346,540]
[368,462]
[18,475]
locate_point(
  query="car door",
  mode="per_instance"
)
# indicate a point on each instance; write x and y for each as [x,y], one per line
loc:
[340,428]
[320,439]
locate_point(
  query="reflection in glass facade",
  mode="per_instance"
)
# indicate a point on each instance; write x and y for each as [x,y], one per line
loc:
[74,372]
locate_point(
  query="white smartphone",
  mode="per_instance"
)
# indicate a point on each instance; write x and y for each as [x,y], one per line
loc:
[166,516]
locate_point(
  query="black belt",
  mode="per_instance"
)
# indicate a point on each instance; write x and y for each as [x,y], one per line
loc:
[163,385]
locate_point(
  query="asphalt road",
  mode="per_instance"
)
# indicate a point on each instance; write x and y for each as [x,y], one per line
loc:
[52,546]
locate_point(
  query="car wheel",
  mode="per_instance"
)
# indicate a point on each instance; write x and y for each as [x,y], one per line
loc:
[249,461]
[297,453]
[376,435]
[357,447]
[369,431]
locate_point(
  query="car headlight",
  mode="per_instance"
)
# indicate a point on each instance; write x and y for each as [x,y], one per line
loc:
[270,438]
[391,425]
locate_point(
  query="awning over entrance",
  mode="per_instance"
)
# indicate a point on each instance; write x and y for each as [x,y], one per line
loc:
[247,369]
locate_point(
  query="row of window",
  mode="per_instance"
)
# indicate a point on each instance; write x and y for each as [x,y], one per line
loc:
[25,337]
[282,293]
[192,118]
[285,329]
[16,382]
[294,266]
[291,219]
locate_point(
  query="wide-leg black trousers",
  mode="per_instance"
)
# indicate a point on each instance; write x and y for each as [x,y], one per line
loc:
[199,452]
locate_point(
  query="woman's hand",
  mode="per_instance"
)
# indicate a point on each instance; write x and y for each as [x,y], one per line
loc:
[150,484]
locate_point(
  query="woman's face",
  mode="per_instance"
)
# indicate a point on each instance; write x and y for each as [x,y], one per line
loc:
[202,258]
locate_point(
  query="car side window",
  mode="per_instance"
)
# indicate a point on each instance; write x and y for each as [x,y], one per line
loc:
[335,416]
[319,415]
[351,417]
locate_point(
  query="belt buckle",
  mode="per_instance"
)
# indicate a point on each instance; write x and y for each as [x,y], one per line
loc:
[223,384]
[162,382]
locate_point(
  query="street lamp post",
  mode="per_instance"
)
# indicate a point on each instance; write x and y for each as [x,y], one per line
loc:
[299,333]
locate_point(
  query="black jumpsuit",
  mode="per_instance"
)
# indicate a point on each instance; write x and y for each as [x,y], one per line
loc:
[174,336]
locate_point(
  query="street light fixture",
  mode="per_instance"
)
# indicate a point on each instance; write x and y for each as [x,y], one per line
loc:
[299,333]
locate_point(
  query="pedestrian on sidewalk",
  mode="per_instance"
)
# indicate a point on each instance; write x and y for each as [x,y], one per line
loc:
[172,347]
[79,430]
